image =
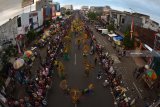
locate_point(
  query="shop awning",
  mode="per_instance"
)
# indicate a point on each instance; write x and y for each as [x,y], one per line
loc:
[118,38]
[112,35]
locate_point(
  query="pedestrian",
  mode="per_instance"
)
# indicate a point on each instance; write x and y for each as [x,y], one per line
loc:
[99,75]
[105,83]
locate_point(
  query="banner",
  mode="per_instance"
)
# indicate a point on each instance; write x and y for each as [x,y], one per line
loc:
[26,3]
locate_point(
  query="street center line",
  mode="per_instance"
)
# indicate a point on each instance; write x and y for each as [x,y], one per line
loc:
[137,90]
[75,61]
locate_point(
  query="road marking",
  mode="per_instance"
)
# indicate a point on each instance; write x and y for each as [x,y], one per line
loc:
[75,61]
[137,90]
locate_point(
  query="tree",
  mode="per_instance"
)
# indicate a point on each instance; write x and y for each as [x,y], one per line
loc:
[47,23]
[127,41]
[92,16]
[111,27]
[31,35]
[68,12]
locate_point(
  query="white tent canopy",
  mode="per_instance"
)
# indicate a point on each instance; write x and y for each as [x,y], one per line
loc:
[112,35]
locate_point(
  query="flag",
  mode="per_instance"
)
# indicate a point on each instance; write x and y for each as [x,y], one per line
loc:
[26,3]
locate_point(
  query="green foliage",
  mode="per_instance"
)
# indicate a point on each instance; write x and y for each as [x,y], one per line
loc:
[47,23]
[128,42]
[111,27]
[68,12]
[92,16]
[31,35]
[11,51]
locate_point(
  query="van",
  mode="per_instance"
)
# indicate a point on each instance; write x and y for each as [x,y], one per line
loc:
[103,31]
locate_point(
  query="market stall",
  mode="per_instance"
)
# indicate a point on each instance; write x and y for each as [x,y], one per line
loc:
[149,77]
[118,40]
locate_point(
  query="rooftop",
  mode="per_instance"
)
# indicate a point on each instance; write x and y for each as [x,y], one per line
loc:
[141,15]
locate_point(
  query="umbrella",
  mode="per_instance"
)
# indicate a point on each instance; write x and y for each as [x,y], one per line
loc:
[27,54]
[18,63]
[151,74]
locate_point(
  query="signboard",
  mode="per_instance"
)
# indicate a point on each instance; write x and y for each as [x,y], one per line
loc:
[26,3]
[58,13]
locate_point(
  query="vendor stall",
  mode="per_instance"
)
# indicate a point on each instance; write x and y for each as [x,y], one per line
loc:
[118,39]
[149,77]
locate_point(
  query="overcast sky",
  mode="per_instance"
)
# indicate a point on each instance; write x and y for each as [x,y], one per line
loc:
[10,8]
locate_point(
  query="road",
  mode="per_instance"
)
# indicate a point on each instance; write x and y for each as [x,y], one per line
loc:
[76,79]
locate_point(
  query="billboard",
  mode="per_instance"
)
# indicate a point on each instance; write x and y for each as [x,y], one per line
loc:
[26,3]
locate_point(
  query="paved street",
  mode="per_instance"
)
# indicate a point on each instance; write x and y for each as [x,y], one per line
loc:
[76,79]
[79,53]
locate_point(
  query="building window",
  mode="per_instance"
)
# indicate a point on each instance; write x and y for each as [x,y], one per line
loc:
[19,22]
[123,20]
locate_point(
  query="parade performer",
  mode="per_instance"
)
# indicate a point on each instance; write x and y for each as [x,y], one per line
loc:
[61,70]
[88,68]
[66,56]
[75,95]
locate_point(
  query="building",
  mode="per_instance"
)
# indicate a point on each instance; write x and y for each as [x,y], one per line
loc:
[147,22]
[57,6]
[8,33]
[146,36]
[85,8]
[150,24]
[57,9]
[42,3]
[97,9]
[126,20]
[68,7]
[105,17]
[106,10]
[28,21]
[117,18]
[47,13]
[91,8]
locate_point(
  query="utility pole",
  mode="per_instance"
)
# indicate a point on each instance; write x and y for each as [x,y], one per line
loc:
[132,23]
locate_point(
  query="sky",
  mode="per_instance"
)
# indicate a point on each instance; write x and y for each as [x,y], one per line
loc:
[11,8]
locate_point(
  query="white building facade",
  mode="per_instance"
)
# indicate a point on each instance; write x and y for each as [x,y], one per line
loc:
[150,24]
[8,32]
[68,7]
[28,21]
